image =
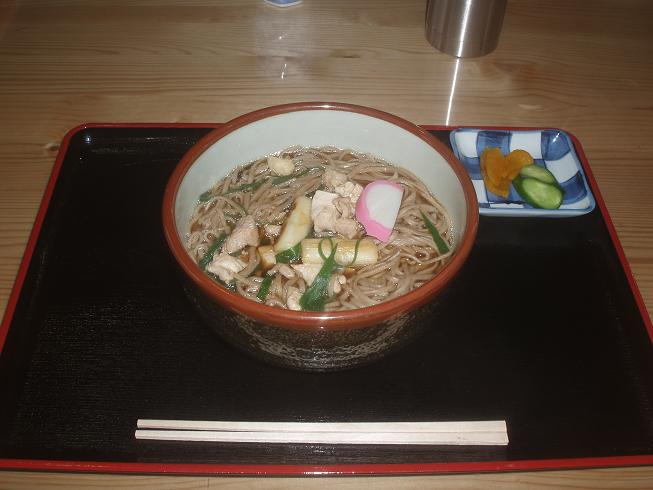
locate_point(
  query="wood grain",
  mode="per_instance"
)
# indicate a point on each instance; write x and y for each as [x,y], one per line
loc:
[598,479]
[583,66]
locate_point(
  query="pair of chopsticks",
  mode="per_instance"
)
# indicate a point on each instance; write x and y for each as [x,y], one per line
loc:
[487,433]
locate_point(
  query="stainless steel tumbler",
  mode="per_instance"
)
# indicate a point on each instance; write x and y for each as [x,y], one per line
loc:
[464,28]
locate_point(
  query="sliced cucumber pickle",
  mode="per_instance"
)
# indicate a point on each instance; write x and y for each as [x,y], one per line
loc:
[539,173]
[537,193]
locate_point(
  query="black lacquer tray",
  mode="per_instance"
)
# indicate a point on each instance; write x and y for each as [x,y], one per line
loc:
[543,327]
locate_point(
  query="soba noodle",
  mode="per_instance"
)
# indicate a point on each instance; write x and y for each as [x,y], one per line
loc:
[408,260]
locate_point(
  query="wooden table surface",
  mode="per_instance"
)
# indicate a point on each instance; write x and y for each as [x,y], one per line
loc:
[584,66]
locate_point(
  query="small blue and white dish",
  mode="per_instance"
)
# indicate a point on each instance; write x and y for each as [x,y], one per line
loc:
[550,148]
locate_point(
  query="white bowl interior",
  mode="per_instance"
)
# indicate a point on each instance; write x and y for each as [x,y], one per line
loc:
[319,127]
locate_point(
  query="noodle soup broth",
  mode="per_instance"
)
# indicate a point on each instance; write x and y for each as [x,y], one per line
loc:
[257,195]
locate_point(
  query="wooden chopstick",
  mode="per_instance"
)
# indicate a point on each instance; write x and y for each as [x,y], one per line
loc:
[419,433]
[467,426]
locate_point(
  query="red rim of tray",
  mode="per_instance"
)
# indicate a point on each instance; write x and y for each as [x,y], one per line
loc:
[308,470]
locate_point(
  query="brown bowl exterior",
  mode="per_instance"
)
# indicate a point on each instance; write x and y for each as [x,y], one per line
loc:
[313,340]
[319,349]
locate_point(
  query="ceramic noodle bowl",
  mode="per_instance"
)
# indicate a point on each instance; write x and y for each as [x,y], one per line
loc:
[308,340]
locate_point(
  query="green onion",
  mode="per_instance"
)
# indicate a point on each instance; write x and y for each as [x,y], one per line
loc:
[208,255]
[285,178]
[252,186]
[206,196]
[265,288]
[315,296]
[293,254]
[442,246]
[358,242]
[319,248]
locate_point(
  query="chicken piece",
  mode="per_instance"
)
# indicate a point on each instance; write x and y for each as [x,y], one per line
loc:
[345,207]
[333,213]
[225,266]
[292,300]
[336,281]
[332,178]
[284,269]
[281,166]
[321,200]
[271,231]
[323,211]
[326,220]
[347,227]
[350,190]
[245,233]
[307,271]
